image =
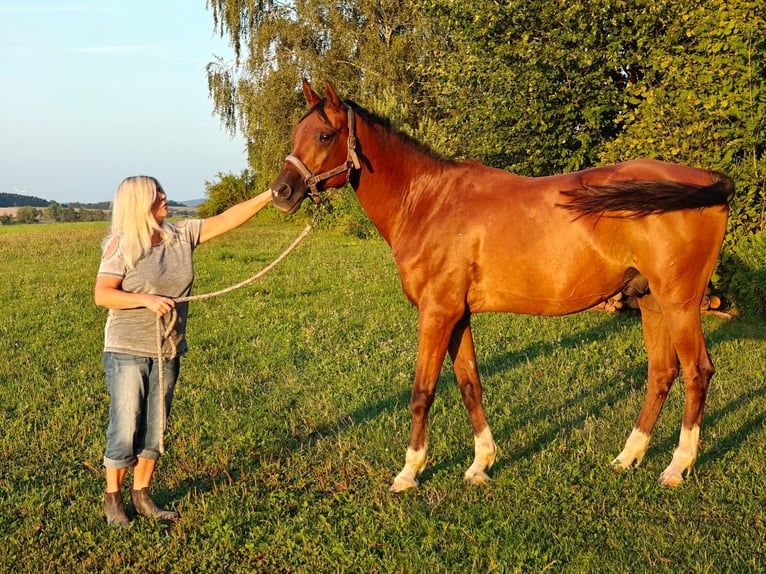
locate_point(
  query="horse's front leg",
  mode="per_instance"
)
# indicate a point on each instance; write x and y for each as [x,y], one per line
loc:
[434,332]
[463,354]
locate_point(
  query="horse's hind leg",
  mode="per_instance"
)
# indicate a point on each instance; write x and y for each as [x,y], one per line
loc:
[685,327]
[663,369]
[463,354]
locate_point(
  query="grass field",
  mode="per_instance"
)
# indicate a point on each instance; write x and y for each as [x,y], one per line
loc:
[291,420]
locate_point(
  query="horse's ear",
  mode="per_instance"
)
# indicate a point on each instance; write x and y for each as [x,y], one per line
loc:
[311,96]
[331,95]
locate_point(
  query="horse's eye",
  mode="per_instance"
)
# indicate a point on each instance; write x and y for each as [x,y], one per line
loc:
[326,137]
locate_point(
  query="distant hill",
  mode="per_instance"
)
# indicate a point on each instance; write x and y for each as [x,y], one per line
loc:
[18,200]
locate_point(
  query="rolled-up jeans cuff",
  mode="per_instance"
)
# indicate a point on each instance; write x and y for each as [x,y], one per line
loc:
[118,464]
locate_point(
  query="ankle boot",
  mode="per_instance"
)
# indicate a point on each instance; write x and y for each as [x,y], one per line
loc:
[115,509]
[145,505]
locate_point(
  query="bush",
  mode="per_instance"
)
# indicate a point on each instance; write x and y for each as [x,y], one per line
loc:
[228,190]
[748,282]
[343,213]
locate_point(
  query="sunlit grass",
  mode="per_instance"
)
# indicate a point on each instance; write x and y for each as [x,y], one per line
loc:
[291,420]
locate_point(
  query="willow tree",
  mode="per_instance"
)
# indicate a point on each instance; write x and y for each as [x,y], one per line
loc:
[366,48]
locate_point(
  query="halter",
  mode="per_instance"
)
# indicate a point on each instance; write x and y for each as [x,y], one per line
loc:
[352,161]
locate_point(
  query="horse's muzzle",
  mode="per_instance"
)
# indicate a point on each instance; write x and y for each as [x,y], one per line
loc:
[282,191]
[285,199]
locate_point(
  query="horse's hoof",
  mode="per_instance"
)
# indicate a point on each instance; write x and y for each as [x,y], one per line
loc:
[671,479]
[618,465]
[476,477]
[401,484]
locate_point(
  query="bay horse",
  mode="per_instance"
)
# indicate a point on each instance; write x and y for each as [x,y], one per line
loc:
[468,238]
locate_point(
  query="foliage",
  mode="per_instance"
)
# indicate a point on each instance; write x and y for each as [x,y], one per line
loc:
[228,190]
[365,46]
[748,283]
[610,81]
[91,215]
[60,213]
[499,83]
[342,212]
[28,214]
[533,87]
[54,212]
[291,420]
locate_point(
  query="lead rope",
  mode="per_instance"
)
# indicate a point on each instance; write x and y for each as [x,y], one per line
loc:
[163,332]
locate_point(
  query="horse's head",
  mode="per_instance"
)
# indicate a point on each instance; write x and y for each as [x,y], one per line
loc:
[324,143]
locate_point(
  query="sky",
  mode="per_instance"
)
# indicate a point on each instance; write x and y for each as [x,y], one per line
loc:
[94,91]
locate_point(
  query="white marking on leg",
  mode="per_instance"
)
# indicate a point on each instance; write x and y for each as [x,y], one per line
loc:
[414,463]
[484,457]
[684,457]
[633,452]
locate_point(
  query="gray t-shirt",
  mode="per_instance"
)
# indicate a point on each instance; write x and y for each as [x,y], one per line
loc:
[167,270]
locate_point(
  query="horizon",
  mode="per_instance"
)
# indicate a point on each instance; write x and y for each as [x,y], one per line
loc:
[172,202]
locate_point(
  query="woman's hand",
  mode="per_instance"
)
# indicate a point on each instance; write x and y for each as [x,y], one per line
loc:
[108,293]
[160,305]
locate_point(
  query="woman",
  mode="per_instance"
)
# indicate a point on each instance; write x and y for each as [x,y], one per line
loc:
[146,264]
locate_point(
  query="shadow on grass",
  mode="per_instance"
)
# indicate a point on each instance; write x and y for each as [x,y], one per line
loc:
[734,330]
[610,391]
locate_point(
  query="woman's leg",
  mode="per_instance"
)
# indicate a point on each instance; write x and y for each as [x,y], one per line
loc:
[149,453]
[143,472]
[125,378]
[115,478]
[142,478]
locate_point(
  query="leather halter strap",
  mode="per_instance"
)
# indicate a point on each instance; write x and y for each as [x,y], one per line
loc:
[352,161]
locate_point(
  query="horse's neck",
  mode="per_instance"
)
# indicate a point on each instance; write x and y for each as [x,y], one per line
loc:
[387,187]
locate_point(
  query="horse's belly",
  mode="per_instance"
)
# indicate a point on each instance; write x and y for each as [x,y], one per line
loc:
[515,303]
[546,294]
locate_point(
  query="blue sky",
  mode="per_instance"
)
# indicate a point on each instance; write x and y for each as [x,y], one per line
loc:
[92,91]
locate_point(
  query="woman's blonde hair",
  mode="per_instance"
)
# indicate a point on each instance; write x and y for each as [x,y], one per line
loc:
[133,223]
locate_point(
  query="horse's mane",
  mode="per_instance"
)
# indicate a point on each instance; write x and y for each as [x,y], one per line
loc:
[385,124]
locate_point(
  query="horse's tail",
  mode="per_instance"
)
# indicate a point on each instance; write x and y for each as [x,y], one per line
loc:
[640,198]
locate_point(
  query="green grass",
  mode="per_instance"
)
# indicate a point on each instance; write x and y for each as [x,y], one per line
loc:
[291,421]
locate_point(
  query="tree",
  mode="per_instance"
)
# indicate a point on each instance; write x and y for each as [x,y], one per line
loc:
[53,211]
[28,214]
[536,87]
[228,190]
[91,215]
[365,47]
[60,213]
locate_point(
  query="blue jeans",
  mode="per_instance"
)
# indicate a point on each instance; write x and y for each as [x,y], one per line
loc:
[134,409]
